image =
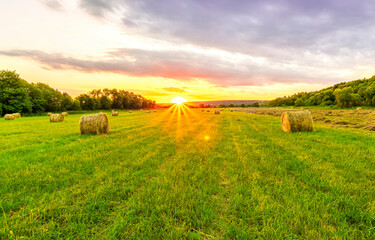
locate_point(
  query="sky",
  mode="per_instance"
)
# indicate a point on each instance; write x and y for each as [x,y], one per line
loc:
[197,49]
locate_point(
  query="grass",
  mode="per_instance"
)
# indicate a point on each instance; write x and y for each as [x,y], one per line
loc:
[194,176]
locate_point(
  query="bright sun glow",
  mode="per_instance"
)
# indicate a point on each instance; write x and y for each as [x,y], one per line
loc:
[178,100]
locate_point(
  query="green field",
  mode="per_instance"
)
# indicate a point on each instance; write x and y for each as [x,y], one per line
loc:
[193,176]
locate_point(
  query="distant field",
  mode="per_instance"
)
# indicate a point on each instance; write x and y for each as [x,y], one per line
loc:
[198,175]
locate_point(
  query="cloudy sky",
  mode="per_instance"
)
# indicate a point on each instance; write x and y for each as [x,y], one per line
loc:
[197,49]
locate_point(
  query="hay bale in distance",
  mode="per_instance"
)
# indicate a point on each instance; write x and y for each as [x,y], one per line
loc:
[154,110]
[359,108]
[65,114]
[296,121]
[202,110]
[147,111]
[114,113]
[217,112]
[49,114]
[130,111]
[208,110]
[9,117]
[94,124]
[231,110]
[56,118]
[17,115]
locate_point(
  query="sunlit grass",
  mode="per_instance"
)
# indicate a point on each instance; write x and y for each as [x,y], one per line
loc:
[182,173]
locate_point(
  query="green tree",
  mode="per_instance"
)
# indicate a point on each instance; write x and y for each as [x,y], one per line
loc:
[256,104]
[343,96]
[52,97]
[76,105]
[13,93]
[105,102]
[36,98]
[66,102]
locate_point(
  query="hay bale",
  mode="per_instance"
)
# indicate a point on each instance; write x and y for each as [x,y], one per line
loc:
[49,114]
[231,110]
[9,117]
[56,118]
[147,111]
[130,111]
[296,121]
[202,110]
[65,114]
[359,108]
[154,110]
[94,124]
[208,110]
[222,109]
[217,112]
[114,113]
[17,115]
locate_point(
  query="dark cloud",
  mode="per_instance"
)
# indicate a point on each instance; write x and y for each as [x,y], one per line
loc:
[257,27]
[174,89]
[98,8]
[180,65]
[53,4]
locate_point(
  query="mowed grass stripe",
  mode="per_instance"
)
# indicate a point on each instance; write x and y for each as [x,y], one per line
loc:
[174,204]
[82,168]
[282,150]
[156,177]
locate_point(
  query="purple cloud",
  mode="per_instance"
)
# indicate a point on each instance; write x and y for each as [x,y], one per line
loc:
[180,65]
[253,27]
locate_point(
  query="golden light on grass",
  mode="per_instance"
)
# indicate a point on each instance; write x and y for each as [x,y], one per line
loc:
[179,100]
[207,137]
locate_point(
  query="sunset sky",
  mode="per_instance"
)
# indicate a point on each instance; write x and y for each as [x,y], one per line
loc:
[197,49]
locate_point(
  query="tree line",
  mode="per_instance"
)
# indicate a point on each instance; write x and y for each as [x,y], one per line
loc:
[17,95]
[348,94]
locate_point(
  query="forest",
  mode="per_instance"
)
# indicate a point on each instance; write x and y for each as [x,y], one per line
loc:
[17,95]
[344,95]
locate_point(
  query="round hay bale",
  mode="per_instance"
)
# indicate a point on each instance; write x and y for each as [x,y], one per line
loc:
[154,110]
[297,121]
[231,110]
[208,110]
[56,118]
[94,124]
[147,111]
[202,110]
[130,111]
[17,115]
[49,114]
[359,108]
[65,114]
[9,117]
[114,113]
[217,112]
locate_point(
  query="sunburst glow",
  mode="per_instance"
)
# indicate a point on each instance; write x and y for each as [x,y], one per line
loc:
[178,100]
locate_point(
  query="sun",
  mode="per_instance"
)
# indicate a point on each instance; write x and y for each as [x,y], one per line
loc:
[178,100]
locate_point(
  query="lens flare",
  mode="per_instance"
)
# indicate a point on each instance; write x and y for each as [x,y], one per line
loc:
[178,100]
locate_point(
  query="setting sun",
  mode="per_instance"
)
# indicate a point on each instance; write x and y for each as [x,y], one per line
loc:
[178,100]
